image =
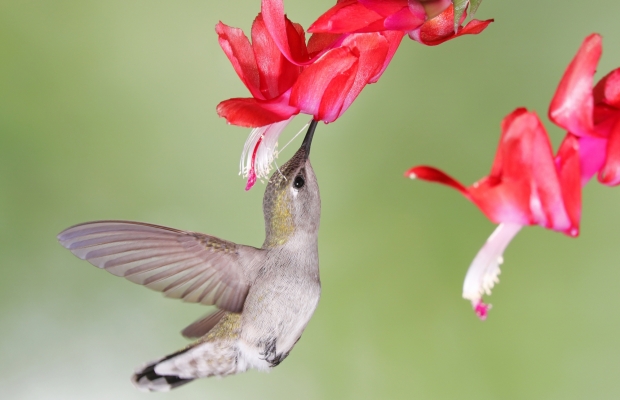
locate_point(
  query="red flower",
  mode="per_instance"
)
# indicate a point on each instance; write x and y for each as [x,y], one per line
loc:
[350,16]
[286,76]
[267,74]
[526,186]
[429,22]
[591,114]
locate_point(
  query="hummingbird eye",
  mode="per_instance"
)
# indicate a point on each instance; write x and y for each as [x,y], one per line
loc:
[299,182]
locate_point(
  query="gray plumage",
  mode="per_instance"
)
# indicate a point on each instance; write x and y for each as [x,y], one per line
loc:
[265,297]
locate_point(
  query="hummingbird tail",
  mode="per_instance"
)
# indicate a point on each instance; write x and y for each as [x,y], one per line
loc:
[147,380]
[203,359]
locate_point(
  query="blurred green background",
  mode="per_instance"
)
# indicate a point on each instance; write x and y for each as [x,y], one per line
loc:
[107,111]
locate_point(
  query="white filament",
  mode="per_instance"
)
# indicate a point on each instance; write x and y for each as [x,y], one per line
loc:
[483,273]
[265,153]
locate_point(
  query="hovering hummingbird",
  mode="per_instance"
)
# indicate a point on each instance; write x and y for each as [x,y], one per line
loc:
[265,297]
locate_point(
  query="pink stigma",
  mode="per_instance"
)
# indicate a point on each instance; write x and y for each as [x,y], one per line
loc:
[251,179]
[482,310]
[252,172]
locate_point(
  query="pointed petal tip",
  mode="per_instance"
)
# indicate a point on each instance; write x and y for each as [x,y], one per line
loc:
[410,173]
[432,174]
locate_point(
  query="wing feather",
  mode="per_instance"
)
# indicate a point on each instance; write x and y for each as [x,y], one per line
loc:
[203,325]
[187,265]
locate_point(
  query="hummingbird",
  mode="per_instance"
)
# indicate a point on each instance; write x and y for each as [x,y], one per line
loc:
[264,296]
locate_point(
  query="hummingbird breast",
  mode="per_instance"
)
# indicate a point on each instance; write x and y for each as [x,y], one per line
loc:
[280,303]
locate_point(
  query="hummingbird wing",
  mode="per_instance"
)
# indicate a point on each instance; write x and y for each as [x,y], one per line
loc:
[186,265]
[201,326]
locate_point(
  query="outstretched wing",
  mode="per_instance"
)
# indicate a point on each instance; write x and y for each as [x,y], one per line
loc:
[192,266]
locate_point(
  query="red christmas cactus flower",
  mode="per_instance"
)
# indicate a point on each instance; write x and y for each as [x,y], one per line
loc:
[591,114]
[286,76]
[428,22]
[350,16]
[527,185]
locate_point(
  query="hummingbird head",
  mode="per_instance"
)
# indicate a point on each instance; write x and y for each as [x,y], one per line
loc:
[292,204]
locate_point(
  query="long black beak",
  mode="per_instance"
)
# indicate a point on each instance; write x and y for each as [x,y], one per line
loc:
[308,139]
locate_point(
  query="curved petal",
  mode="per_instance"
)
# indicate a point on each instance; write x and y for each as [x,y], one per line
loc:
[337,65]
[547,188]
[610,173]
[435,175]
[524,186]
[496,168]
[607,90]
[407,18]
[569,171]
[253,113]
[572,105]
[393,39]
[237,48]
[334,97]
[592,152]
[504,196]
[283,32]
[385,8]
[441,28]
[319,42]
[372,50]
[345,17]
[277,74]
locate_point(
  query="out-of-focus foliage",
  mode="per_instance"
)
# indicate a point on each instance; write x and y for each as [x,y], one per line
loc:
[107,110]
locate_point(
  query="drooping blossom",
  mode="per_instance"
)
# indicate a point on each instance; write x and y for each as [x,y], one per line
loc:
[591,114]
[527,185]
[287,76]
[428,22]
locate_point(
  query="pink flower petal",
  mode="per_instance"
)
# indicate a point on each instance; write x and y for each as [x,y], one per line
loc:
[569,170]
[372,50]
[441,28]
[237,48]
[592,153]
[525,186]
[277,74]
[610,173]
[385,8]
[338,66]
[431,174]
[393,39]
[607,90]
[345,17]
[287,39]
[572,105]
[253,113]
[406,19]
[320,42]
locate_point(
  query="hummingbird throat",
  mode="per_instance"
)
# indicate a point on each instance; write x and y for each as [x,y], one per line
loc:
[281,225]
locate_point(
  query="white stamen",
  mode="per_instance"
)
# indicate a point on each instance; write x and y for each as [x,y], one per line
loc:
[297,134]
[286,145]
[483,273]
[266,152]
